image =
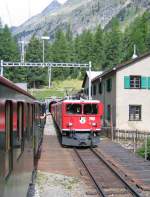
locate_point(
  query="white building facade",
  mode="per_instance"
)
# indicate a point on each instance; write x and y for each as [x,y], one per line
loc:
[125,93]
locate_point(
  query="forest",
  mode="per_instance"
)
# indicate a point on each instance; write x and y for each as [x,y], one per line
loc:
[105,48]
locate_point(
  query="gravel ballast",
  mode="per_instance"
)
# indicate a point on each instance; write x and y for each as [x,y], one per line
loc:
[56,185]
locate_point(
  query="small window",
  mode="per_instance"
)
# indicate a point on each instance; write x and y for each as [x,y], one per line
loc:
[90,109]
[135,82]
[74,109]
[94,90]
[109,85]
[134,112]
[108,112]
[100,88]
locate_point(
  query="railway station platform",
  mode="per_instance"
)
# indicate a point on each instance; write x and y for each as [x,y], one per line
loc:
[133,166]
[54,158]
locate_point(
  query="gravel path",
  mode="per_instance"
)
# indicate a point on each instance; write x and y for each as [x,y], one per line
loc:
[56,185]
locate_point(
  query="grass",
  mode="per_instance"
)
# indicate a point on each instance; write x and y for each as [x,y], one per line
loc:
[58,89]
[141,151]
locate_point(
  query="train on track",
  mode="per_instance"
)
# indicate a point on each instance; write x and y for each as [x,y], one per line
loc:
[21,131]
[79,121]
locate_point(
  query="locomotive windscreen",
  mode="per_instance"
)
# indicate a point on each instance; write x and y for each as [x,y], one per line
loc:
[90,109]
[74,109]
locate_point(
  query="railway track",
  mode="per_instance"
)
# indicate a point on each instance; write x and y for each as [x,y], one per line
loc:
[107,180]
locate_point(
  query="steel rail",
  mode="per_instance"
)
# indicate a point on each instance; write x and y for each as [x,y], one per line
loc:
[129,187]
[99,189]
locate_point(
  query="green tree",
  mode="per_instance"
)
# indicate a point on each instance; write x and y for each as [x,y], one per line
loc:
[113,46]
[35,76]
[60,53]
[9,51]
[99,55]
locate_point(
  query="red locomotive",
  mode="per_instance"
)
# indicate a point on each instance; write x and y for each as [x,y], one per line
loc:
[79,121]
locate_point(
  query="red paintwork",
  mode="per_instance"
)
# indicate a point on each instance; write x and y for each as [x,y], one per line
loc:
[63,119]
[2,121]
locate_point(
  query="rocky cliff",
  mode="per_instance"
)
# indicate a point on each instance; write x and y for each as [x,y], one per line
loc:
[80,15]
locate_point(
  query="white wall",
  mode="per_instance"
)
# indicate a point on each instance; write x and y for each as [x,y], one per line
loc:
[126,97]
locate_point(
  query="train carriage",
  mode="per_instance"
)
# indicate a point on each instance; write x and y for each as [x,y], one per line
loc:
[20,137]
[79,121]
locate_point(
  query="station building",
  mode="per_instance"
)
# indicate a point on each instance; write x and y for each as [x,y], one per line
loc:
[125,93]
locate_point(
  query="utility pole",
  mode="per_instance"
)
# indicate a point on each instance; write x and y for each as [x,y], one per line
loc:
[44,38]
[2,68]
[49,68]
[22,42]
[90,65]
[49,76]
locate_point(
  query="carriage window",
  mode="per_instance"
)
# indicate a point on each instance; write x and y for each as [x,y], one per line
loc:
[90,109]
[74,109]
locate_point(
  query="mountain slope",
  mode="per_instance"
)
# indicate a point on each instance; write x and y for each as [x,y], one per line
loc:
[80,15]
[53,7]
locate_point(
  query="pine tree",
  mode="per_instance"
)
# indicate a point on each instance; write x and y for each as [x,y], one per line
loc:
[113,46]
[99,55]
[35,76]
[9,51]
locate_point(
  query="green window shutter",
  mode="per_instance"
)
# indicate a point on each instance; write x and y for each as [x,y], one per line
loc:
[144,82]
[148,82]
[126,82]
[110,84]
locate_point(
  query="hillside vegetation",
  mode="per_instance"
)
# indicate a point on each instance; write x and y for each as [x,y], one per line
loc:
[104,48]
[58,89]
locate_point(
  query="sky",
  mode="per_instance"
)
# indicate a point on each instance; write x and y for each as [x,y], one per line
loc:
[15,12]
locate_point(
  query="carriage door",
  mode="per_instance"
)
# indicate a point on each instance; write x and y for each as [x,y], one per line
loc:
[8,138]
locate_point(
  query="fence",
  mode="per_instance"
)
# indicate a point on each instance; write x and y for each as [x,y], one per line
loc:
[135,137]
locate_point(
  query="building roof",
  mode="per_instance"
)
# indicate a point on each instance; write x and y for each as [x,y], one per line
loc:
[94,74]
[11,85]
[120,66]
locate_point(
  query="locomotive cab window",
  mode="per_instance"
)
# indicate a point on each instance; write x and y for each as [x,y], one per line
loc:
[90,109]
[74,109]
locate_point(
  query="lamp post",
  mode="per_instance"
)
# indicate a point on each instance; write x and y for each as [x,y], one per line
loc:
[90,65]
[49,68]
[44,38]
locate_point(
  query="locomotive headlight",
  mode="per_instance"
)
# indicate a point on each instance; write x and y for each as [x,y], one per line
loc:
[94,124]
[69,124]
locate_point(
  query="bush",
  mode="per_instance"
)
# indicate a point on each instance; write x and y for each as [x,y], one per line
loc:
[141,151]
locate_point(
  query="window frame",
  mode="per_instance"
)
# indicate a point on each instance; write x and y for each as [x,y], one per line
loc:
[136,82]
[134,114]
